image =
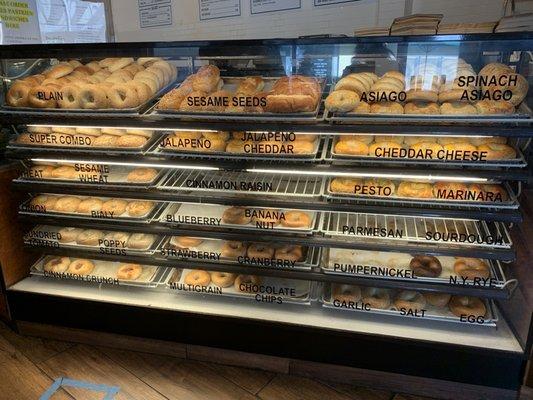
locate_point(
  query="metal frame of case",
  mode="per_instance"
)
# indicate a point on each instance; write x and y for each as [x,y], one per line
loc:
[475,366]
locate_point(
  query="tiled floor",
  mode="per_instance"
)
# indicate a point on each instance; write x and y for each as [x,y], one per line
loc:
[29,365]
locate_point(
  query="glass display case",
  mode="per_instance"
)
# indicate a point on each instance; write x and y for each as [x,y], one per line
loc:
[359,199]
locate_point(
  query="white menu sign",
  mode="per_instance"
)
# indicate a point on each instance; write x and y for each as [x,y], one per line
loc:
[265,6]
[213,9]
[155,13]
[328,2]
[19,23]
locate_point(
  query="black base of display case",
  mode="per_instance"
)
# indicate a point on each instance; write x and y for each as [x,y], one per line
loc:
[448,362]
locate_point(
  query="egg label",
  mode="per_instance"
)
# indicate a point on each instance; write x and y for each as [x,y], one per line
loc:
[195,288]
[476,281]
[372,231]
[472,319]
[230,185]
[83,278]
[352,305]
[359,269]
[375,96]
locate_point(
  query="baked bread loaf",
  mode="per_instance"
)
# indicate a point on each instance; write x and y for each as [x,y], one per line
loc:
[293,94]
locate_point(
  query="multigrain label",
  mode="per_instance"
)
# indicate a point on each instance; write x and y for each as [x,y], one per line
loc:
[375,96]
[195,288]
[84,278]
[429,154]
[359,269]
[372,231]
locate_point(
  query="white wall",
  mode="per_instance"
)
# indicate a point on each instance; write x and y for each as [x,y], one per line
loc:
[334,19]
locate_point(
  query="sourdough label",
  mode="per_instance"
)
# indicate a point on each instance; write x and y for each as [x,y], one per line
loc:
[360,269]
[84,278]
[372,231]
[193,220]
[463,238]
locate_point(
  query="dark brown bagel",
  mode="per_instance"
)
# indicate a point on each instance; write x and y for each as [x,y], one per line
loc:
[426,266]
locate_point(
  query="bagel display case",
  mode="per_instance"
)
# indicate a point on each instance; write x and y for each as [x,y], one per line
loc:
[378,211]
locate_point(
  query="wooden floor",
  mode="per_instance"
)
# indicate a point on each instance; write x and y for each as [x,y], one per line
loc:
[28,366]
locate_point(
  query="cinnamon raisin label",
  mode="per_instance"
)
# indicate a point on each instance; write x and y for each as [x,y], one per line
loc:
[372,231]
[360,269]
[223,184]
[374,96]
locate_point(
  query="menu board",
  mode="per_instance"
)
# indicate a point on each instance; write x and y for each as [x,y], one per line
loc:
[19,23]
[265,6]
[214,9]
[155,13]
